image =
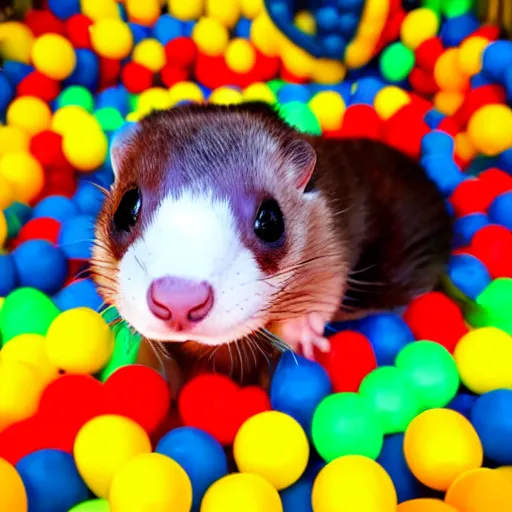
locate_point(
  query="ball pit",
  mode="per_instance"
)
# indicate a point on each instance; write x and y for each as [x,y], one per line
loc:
[408,412]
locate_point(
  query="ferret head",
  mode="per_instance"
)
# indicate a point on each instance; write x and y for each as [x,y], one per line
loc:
[209,224]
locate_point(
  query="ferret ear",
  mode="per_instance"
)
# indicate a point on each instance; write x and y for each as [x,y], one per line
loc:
[120,141]
[301,159]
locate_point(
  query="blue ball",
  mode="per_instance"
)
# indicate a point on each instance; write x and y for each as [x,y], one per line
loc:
[293,92]
[298,386]
[87,70]
[334,45]
[297,498]
[455,30]
[22,211]
[365,91]
[41,265]
[116,97]
[16,71]
[348,23]
[60,208]
[508,84]
[350,5]
[464,228]
[243,28]
[433,118]
[468,274]
[199,454]
[51,481]
[139,32]
[8,277]
[492,418]
[437,142]
[76,236]
[392,459]
[167,28]
[103,176]
[505,161]
[88,198]
[479,80]
[500,211]
[497,58]
[463,403]
[6,92]
[188,27]
[444,172]
[388,334]
[64,9]
[327,19]
[82,293]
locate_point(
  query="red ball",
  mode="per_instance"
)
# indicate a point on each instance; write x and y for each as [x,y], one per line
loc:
[110,69]
[449,126]
[350,359]
[136,77]
[362,121]
[59,181]
[490,32]
[46,146]
[477,98]
[248,402]
[423,81]
[78,31]
[391,30]
[171,75]
[181,52]
[289,77]
[470,197]
[496,182]
[140,393]
[492,245]
[42,228]
[44,22]
[428,52]
[39,85]
[212,72]
[265,68]
[435,317]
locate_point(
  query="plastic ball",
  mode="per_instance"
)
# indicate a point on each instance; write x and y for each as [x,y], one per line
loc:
[227,12]
[259,91]
[24,173]
[46,146]
[225,96]
[17,41]
[12,491]
[264,35]
[103,446]
[75,236]
[146,13]
[240,55]
[8,277]
[439,446]
[425,505]
[85,147]
[186,10]
[469,275]
[53,55]
[470,55]
[199,454]
[97,505]
[396,62]
[490,129]
[241,491]
[497,58]
[274,446]
[167,28]
[300,117]
[70,118]
[76,95]
[55,207]
[480,490]
[418,26]
[329,108]
[353,482]
[297,498]
[500,211]
[80,293]
[13,138]
[346,424]
[29,113]
[210,36]
[389,100]
[150,54]
[447,74]
[111,38]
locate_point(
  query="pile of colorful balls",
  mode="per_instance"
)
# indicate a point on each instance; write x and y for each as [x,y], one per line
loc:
[408,412]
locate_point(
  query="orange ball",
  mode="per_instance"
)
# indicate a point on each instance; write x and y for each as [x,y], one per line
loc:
[425,505]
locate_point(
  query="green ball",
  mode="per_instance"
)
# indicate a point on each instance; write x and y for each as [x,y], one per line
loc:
[275,85]
[299,116]
[109,118]
[433,5]
[346,424]
[26,310]
[133,100]
[392,397]
[97,505]
[453,8]
[76,95]
[431,370]
[396,62]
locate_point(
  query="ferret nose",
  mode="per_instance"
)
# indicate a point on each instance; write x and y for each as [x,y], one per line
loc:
[179,300]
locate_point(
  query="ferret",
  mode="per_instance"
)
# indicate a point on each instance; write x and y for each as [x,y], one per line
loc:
[226,229]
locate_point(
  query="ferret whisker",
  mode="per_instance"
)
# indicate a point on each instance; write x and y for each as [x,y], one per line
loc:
[361,270]
[241,360]
[365,283]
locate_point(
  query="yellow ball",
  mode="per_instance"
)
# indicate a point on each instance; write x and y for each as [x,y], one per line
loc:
[21,390]
[150,481]
[85,147]
[103,446]
[24,173]
[273,445]
[251,8]
[328,71]
[211,36]
[464,147]
[329,108]
[189,91]
[506,471]
[490,129]
[240,55]
[296,60]
[259,91]
[155,98]
[447,73]
[265,35]
[241,492]
[3,227]
[186,11]
[358,53]
[484,359]
[111,38]
[100,9]
[13,138]
[30,114]
[389,100]
[143,13]
[481,490]
[16,41]
[424,505]
[13,497]
[469,57]
[225,96]
[71,118]
[440,445]
[418,26]
[227,11]
[150,53]
[54,56]
[448,102]
[353,483]
[79,341]
[306,22]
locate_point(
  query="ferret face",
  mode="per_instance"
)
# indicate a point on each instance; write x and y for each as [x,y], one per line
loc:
[205,221]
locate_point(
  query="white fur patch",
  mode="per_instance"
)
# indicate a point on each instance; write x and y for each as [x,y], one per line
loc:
[194,237]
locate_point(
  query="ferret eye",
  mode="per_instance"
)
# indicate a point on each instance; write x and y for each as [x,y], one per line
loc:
[128,210]
[269,223]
